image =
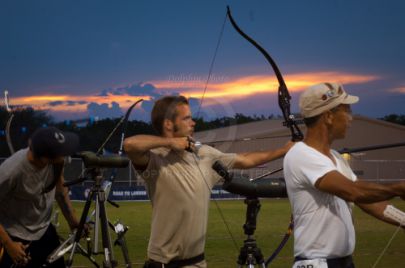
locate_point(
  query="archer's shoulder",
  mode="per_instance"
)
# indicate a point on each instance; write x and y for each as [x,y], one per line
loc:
[14,164]
[337,155]
[17,158]
[206,149]
[300,152]
[296,148]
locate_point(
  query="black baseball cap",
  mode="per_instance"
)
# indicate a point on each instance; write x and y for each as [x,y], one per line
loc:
[51,142]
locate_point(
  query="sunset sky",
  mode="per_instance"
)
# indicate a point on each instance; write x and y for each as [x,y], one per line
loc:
[81,59]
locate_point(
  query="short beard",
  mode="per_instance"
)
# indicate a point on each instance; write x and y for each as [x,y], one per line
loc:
[175,128]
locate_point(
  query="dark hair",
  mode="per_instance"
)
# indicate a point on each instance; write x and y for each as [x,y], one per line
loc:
[165,108]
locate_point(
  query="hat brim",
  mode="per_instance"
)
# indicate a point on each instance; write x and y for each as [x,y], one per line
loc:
[350,99]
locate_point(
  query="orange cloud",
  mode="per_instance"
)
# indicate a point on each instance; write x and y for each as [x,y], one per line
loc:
[250,85]
[226,89]
[398,90]
[42,102]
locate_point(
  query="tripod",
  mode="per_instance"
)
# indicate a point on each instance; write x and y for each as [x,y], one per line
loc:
[100,191]
[118,227]
[250,255]
[100,198]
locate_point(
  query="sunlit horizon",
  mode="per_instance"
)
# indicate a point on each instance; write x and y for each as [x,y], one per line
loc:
[227,90]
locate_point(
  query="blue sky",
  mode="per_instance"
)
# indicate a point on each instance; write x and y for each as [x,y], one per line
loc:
[94,58]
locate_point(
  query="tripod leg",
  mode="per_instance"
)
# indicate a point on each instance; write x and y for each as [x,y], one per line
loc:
[79,230]
[120,229]
[251,255]
[96,225]
[64,247]
[86,254]
[123,245]
[126,254]
[109,261]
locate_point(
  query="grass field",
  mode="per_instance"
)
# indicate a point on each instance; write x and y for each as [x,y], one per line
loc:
[221,251]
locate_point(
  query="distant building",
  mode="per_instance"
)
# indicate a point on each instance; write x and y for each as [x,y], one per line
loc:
[379,165]
[383,164]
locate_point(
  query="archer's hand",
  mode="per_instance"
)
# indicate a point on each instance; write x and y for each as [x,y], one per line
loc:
[16,251]
[86,228]
[181,144]
[73,223]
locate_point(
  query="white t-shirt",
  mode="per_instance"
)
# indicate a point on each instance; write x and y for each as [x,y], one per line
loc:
[323,225]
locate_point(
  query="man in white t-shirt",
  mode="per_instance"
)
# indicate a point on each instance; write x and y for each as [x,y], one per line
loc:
[321,185]
[179,179]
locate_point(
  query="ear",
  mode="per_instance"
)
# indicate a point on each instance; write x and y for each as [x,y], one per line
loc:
[168,125]
[328,117]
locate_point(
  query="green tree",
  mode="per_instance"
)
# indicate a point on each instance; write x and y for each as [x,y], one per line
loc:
[395,118]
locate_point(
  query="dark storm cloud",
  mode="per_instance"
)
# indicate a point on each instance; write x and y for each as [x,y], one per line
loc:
[140,89]
[68,103]
[104,110]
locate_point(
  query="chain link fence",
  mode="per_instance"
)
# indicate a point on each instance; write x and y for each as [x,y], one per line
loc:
[128,185]
[372,170]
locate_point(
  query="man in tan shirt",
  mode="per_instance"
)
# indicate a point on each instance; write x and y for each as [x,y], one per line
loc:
[179,179]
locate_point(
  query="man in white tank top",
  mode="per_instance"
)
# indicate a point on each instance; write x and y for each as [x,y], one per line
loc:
[321,186]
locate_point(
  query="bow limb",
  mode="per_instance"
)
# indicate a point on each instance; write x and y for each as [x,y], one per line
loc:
[125,125]
[283,94]
[123,121]
[8,134]
[8,124]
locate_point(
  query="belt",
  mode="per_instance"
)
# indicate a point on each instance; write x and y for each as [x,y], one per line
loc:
[342,262]
[175,263]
